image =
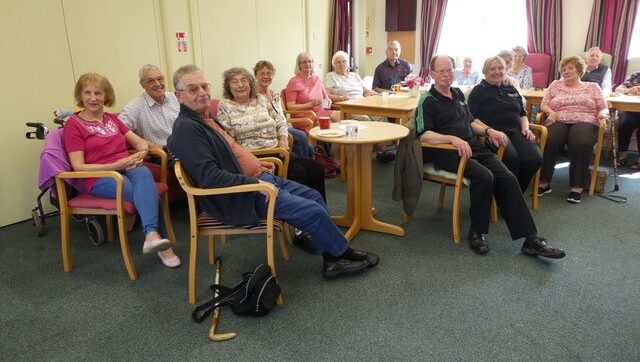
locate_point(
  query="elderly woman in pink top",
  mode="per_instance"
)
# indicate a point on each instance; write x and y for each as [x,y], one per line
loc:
[305,91]
[574,110]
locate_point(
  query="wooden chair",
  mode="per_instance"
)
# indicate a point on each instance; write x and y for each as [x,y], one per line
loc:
[203,224]
[87,204]
[308,120]
[541,138]
[597,150]
[458,181]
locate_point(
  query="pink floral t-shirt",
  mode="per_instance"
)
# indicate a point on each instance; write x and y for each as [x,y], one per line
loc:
[579,104]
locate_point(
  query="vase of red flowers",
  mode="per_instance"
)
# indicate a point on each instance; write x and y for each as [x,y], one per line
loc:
[414,82]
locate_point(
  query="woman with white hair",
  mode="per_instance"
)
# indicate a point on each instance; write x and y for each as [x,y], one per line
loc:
[342,85]
[466,75]
[597,72]
[522,72]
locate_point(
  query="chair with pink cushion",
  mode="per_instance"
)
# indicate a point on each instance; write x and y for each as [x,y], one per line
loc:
[540,64]
[87,204]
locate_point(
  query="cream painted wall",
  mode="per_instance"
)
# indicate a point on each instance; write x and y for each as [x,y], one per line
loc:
[37,76]
[575,23]
[47,44]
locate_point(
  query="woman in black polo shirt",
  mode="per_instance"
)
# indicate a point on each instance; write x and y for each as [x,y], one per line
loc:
[499,105]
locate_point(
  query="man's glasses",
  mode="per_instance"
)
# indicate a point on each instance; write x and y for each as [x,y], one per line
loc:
[195,88]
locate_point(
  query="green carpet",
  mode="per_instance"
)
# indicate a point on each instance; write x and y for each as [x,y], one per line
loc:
[429,299]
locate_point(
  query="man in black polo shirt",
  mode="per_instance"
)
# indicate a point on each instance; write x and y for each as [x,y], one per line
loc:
[443,116]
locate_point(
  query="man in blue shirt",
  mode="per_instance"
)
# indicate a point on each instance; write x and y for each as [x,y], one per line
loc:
[392,70]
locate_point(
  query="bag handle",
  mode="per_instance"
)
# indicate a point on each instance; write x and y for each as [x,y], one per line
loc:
[202,311]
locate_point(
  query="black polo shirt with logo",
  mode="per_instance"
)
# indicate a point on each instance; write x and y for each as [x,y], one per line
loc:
[499,107]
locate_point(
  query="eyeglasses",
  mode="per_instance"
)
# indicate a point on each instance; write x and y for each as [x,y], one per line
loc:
[444,71]
[195,88]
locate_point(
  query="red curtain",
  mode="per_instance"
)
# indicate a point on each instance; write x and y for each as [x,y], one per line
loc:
[432,14]
[544,30]
[610,28]
[342,27]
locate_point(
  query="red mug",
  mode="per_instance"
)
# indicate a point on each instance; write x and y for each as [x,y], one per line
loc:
[323,122]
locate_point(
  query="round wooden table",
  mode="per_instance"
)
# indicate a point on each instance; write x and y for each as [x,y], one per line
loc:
[359,214]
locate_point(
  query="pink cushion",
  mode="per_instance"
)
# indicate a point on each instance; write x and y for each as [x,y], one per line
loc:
[540,64]
[206,221]
[88,201]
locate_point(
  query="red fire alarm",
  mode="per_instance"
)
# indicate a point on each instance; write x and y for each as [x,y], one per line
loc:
[369,50]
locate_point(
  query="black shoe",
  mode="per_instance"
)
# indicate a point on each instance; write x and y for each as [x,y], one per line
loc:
[477,243]
[386,156]
[574,197]
[544,190]
[357,255]
[537,246]
[334,269]
[304,242]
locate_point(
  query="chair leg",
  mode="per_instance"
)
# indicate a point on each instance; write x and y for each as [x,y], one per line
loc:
[271,260]
[283,245]
[535,202]
[456,215]
[193,251]
[109,222]
[212,249]
[64,242]
[287,229]
[443,189]
[167,218]
[494,210]
[124,248]
[130,220]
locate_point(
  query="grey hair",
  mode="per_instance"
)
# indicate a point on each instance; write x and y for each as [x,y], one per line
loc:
[432,63]
[487,63]
[296,70]
[520,49]
[182,71]
[396,43]
[145,68]
[594,50]
[226,82]
[337,55]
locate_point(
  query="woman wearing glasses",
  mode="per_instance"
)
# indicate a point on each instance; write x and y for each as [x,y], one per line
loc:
[306,92]
[97,141]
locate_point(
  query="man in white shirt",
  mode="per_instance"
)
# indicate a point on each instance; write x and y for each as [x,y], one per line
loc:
[151,114]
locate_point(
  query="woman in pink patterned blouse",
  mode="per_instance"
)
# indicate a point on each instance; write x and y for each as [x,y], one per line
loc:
[574,110]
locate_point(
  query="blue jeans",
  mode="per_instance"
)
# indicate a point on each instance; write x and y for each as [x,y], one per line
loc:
[303,208]
[301,146]
[140,189]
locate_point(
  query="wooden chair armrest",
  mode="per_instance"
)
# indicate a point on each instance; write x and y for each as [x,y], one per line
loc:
[280,166]
[306,121]
[541,134]
[164,161]
[304,113]
[462,165]
[282,155]
[62,190]
[540,117]
[197,191]
[442,146]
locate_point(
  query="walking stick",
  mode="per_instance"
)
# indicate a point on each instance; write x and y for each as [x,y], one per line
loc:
[614,144]
[216,313]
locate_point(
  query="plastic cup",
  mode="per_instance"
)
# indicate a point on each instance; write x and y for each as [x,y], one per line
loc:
[324,122]
[352,130]
[385,96]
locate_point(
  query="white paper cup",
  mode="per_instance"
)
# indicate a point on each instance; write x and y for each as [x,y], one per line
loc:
[385,96]
[352,130]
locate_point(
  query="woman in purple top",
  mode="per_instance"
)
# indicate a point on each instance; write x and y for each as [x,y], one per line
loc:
[97,141]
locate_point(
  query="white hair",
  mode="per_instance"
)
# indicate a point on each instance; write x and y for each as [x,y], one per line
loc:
[145,68]
[339,54]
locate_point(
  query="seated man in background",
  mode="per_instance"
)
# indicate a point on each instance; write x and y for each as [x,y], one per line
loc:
[151,114]
[213,159]
[392,71]
[629,121]
[597,72]
[443,116]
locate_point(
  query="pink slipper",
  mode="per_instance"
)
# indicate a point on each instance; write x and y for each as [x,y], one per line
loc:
[155,245]
[170,262]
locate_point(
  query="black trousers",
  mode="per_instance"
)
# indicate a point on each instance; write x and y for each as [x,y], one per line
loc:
[522,157]
[308,172]
[580,139]
[490,177]
[628,122]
